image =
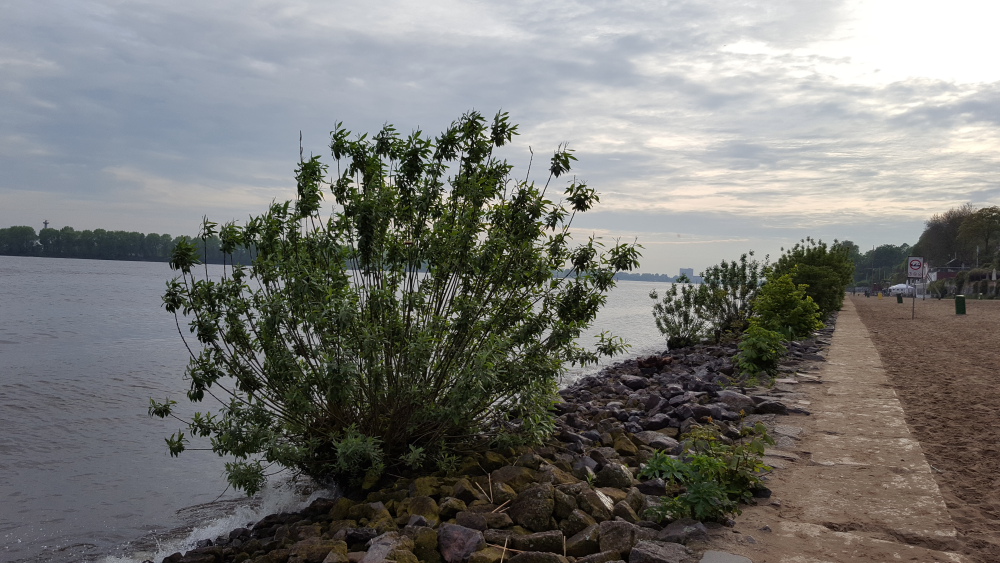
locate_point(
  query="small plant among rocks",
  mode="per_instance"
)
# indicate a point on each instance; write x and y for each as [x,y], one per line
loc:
[761,351]
[712,477]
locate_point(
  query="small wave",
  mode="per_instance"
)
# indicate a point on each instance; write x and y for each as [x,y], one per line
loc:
[211,520]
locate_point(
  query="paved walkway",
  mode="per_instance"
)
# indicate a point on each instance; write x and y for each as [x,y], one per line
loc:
[855,486]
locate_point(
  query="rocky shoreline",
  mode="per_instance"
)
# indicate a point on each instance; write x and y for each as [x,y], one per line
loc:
[575,500]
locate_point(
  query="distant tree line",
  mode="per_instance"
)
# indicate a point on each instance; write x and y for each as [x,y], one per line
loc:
[630,276]
[100,244]
[881,266]
[963,238]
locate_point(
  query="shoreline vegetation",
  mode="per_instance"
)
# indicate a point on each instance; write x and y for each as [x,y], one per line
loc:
[418,332]
[408,346]
[584,496]
[101,244]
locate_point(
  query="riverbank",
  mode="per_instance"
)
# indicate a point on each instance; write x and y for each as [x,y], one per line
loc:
[577,498]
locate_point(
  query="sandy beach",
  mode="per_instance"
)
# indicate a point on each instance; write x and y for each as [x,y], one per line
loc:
[945,368]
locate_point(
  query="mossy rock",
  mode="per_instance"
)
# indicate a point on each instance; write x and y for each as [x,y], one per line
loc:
[341,508]
[427,507]
[386,495]
[425,543]
[303,531]
[530,460]
[491,554]
[502,492]
[519,478]
[564,504]
[316,550]
[383,523]
[450,506]
[533,508]
[425,487]
[558,475]
[465,491]
[338,525]
[625,447]
[576,522]
[403,556]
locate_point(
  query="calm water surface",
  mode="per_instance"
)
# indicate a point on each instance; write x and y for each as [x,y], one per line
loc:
[85,471]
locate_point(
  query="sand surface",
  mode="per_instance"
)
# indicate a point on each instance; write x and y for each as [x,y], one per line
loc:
[946,370]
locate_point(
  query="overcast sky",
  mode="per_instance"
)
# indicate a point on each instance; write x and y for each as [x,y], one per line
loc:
[710,127]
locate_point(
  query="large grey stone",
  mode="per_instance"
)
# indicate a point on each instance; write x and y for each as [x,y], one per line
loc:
[659,552]
[615,475]
[586,542]
[533,508]
[596,503]
[382,547]
[771,407]
[552,541]
[736,401]
[576,522]
[457,543]
[635,382]
[564,504]
[683,531]
[617,536]
[626,512]
[659,441]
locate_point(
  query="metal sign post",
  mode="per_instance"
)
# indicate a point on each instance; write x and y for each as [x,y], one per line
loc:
[914,271]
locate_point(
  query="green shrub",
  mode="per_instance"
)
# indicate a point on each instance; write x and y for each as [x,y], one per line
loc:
[760,354]
[677,315]
[719,306]
[729,291]
[711,478]
[827,271]
[418,313]
[783,307]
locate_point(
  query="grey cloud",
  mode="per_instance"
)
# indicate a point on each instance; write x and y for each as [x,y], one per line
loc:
[214,94]
[978,105]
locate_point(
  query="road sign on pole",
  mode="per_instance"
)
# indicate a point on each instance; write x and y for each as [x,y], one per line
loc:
[914,271]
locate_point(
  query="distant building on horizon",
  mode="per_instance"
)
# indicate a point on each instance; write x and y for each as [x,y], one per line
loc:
[689,272]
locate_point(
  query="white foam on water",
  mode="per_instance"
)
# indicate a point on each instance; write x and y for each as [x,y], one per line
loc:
[277,497]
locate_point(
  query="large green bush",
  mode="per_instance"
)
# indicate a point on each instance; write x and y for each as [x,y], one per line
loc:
[783,307]
[827,271]
[415,316]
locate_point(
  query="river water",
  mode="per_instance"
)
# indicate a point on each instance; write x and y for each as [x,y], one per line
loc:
[84,472]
